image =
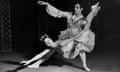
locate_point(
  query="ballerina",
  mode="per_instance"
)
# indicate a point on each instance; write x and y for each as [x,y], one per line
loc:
[73,37]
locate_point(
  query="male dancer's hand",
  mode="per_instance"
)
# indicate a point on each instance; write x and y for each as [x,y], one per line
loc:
[42,3]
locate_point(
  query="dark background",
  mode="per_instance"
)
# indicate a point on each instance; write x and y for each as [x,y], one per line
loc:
[28,20]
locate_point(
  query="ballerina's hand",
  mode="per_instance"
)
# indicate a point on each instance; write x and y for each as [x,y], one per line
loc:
[96,5]
[43,37]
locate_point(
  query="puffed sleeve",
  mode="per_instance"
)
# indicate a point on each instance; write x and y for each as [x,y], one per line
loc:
[51,10]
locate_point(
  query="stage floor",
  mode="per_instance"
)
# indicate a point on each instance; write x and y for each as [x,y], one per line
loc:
[97,63]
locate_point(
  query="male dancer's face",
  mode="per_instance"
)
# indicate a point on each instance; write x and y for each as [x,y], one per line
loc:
[77,9]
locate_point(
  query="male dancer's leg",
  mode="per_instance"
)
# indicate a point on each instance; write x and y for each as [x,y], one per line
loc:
[41,58]
[83,59]
[38,56]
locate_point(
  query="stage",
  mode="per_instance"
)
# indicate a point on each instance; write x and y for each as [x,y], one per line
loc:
[97,63]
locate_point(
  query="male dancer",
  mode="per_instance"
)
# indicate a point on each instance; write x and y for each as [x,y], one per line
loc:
[84,39]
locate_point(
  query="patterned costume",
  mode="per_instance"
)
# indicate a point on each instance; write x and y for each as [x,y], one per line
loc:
[84,40]
[73,41]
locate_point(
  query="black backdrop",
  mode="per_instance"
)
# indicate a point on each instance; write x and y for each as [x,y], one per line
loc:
[27,16]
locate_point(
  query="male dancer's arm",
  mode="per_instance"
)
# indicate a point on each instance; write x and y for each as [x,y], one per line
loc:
[51,10]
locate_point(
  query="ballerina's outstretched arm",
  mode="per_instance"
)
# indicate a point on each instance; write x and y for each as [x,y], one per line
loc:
[95,9]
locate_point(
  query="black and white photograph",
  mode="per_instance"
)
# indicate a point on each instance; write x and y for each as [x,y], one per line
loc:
[59,36]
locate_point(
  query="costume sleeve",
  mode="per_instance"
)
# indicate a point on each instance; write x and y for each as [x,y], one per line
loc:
[51,10]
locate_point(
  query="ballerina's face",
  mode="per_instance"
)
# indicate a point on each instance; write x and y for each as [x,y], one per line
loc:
[48,41]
